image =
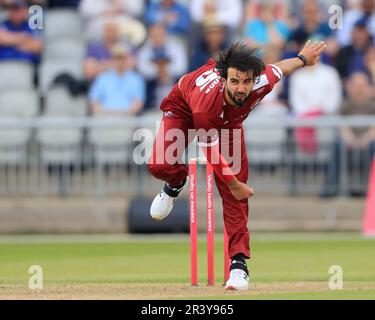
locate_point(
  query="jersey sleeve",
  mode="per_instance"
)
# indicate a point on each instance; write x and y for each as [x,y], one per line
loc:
[268,78]
[207,127]
[274,75]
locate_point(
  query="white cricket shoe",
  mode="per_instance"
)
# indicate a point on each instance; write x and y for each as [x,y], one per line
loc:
[162,206]
[163,203]
[238,280]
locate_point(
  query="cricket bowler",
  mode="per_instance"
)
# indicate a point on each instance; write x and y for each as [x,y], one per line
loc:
[218,96]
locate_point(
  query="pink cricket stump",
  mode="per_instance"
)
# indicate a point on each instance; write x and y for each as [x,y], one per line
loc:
[210,225]
[193,223]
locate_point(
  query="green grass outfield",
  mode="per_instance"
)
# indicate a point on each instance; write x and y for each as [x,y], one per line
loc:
[283,266]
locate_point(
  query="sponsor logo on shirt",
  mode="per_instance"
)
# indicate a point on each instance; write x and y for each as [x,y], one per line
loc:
[208,79]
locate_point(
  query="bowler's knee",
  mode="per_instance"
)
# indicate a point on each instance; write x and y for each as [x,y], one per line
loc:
[157,169]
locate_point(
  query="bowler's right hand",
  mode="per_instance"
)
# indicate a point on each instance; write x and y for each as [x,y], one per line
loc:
[240,190]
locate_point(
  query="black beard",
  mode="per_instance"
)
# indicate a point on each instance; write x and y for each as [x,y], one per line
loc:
[238,103]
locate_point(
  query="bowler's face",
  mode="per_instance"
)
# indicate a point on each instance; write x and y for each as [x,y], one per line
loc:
[239,85]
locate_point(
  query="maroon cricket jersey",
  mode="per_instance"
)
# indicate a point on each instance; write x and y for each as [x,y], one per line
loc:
[201,97]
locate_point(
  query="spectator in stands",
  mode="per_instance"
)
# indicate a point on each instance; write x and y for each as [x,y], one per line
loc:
[118,91]
[360,102]
[313,92]
[96,12]
[364,13]
[282,10]
[351,59]
[214,35]
[172,14]
[266,29]
[161,61]
[17,40]
[316,89]
[228,12]
[99,54]
[313,27]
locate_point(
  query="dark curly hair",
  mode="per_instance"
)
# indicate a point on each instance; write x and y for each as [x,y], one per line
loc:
[241,57]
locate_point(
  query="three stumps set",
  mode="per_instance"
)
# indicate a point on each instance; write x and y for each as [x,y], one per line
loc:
[210,224]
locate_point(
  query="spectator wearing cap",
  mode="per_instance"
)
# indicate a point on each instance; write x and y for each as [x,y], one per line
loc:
[120,90]
[351,58]
[173,15]
[17,40]
[161,60]
[213,41]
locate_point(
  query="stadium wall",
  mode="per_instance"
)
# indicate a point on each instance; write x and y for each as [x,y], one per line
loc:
[110,215]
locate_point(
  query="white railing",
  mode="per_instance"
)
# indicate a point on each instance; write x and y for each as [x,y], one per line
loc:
[95,156]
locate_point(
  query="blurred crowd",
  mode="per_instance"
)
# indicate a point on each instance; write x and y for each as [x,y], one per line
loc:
[148,45]
[129,53]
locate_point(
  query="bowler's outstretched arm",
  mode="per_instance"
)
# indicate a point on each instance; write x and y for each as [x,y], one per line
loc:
[309,55]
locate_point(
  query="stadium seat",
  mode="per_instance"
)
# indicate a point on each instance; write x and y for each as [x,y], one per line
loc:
[49,69]
[19,75]
[112,145]
[62,23]
[72,48]
[60,146]
[265,145]
[146,134]
[59,102]
[19,103]
[13,144]
[13,141]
